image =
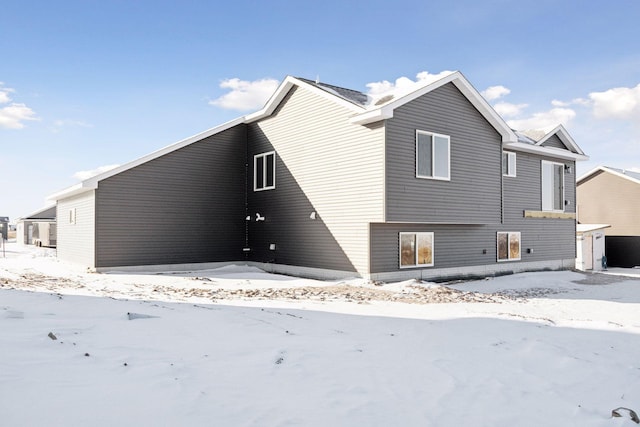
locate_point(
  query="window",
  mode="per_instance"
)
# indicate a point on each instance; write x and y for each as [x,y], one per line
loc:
[264,171]
[509,246]
[508,163]
[416,250]
[432,156]
[552,186]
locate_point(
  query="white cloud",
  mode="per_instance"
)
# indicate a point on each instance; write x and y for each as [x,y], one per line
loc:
[59,125]
[245,95]
[495,92]
[619,103]
[545,120]
[506,109]
[402,85]
[13,115]
[82,175]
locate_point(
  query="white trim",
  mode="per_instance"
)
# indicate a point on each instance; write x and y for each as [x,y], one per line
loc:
[564,136]
[284,89]
[546,151]
[416,234]
[386,111]
[92,183]
[606,169]
[542,163]
[508,233]
[511,171]
[433,157]
[264,171]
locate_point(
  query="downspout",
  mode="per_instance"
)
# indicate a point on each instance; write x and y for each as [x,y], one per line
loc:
[501,184]
[246,192]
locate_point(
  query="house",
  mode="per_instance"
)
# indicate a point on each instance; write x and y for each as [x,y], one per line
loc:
[38,228]
[612,196]
[327,182]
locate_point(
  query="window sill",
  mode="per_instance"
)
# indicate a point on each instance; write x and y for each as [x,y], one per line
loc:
[549,214]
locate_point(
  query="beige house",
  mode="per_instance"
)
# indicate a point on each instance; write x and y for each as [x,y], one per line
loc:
[608,195]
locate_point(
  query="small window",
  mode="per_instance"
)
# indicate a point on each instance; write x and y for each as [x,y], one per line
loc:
[432,156]
[264,171]
[509,246]
[508,163]
[552,186]
[72,216]
[416,250]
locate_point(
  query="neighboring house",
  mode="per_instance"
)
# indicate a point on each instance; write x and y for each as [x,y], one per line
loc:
[325,182]
[38,228]
[612,196]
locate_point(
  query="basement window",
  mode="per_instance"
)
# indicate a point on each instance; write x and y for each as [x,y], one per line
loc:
[264,171]
[509,246]
[416,250]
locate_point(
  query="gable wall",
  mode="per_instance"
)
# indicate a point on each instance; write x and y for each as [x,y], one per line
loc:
[555,142]
[605,198]
[475,162]
[325,165]
[184,207]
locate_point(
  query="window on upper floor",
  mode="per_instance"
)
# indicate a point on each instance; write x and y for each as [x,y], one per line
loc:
[552,186]
[508,163]
[508,246]
[264,171]
[433,157]
[416,250]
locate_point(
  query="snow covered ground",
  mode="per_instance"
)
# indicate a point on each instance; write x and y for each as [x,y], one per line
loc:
[240,347]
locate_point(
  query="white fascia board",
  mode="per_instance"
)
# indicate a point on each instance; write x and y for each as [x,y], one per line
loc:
[546,151]
[79,188]
[458,79]
[286,86]
[564,136]
[611,171]
[92,183]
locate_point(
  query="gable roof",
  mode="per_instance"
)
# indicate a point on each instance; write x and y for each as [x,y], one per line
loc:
[621,173]
[363,111]
[48,212]
[385,110]
[527,143]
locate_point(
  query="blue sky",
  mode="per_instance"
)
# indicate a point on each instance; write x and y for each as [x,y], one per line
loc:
[87,84]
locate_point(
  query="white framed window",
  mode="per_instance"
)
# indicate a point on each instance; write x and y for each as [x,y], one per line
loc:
[508,245]
[416,250]
[433,156]
[264,171]
[508,163]
[72,216]
[552,186]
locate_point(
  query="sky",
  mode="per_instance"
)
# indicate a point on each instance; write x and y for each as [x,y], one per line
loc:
[85,85]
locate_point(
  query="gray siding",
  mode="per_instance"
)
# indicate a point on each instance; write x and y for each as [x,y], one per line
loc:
[187,206]
[325,165]
[76,241]
[524,191]
[473,194]
[555,142]
[463,245]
